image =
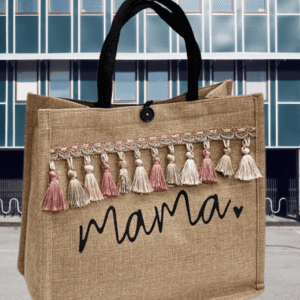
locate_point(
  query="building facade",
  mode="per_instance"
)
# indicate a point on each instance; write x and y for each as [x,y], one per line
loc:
[51,47]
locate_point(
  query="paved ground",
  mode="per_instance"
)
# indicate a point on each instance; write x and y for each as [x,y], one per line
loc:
[282,271]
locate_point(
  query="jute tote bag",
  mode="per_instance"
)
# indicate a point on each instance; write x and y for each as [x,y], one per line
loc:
[157,201]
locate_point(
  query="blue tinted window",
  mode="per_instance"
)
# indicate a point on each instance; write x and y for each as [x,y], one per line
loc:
[27,6]
[158,81]
[223,39]
[59,6]
[286,7]
[288,125]
[256,77]
[125,76]
[20,113]
[59,79]
[223,70]
[289,81]
[2,6]
[2,125]
[288,34]
[88,78]
[256,36]
[91,6]
[118,4]
[222,6]
[255,5]
[190,5]
[157,34]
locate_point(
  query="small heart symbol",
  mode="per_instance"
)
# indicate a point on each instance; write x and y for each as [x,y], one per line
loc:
[238,211]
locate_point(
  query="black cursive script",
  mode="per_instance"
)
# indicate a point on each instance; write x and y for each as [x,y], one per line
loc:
[157,220]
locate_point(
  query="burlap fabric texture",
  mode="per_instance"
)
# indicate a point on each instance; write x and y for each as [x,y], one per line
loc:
[219,259]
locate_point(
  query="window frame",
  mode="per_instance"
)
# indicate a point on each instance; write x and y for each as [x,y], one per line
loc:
[59,13]
[147,83]
[223,12]
[49,72]
[114,101]
[256,13]
[16,80]
[267,79]
[91,13]
[178,2]
[5,9]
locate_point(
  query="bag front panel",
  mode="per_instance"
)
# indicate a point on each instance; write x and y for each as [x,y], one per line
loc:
[181,257]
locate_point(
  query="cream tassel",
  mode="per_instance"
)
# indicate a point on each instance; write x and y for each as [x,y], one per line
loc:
[140,183]
[172,173]
[125,183]
[189,173]
[224,165]
[77,193]
[90,181]
[247,169]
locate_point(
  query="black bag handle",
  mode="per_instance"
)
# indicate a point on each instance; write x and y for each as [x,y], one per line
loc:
[176,19]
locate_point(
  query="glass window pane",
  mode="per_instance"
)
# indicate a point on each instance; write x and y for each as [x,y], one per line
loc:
[27,6]
[59,79]
[223,70]
[190,5]
[59,6]
[92,6]
[255,5]
[118,4]
[222,6]
[158,81]
[2,6]
[256,77]
[125,86]
[26,79]
[288,7]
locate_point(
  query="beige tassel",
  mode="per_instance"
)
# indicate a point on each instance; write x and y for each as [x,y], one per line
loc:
[189,174]
[172,173]
[247,169]
[141,183]
[224,165]
[90,181]
[125,183]
[77,193]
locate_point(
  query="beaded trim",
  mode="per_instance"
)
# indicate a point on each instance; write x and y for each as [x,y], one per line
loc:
[101,147]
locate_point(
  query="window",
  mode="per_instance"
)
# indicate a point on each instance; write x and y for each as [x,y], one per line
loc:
[223,70]
[190,6]
[222,6]
[125,82]
[288,7]
[91,6]
[26,7]
[256,77]
[2,7]
[157,80]
[255,6]
[117,4]
[59,6]
[59,83]
[26,79]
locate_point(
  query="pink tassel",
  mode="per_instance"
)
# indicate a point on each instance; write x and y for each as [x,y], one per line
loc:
[207,171]
[108,188]
[54,199]
[157,177]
